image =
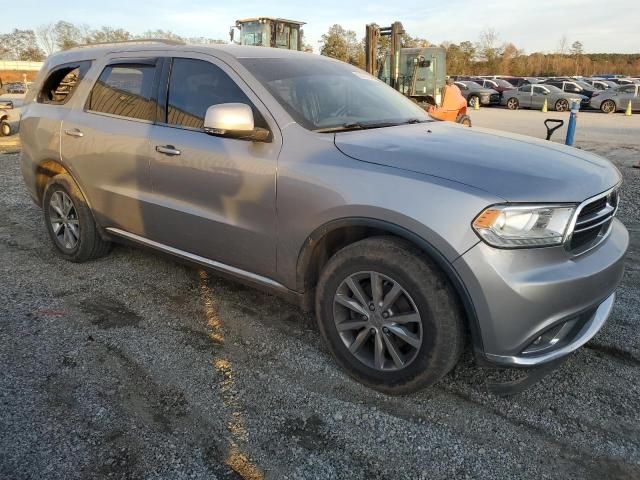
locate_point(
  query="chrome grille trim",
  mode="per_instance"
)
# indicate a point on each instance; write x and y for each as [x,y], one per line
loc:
[594,221]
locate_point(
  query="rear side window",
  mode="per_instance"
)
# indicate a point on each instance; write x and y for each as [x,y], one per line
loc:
[62,82]
[125,90]
[195,85]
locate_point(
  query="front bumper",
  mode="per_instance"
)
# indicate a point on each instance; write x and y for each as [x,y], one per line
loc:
[521,295]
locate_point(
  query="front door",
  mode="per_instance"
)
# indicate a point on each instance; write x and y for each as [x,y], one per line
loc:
[215,197]
[106,144]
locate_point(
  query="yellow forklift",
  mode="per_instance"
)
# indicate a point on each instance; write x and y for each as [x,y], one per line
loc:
[268,32]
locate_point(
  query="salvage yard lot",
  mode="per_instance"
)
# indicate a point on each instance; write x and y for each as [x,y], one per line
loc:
[134,366]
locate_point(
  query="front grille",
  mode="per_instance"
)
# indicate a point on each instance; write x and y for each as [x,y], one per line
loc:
[593,222]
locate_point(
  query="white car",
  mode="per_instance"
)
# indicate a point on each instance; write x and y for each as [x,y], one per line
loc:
[10,110]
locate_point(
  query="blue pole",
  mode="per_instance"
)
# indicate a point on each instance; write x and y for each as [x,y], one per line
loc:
[573,118]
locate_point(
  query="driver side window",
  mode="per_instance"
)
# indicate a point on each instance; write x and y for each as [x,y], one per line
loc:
[194,86]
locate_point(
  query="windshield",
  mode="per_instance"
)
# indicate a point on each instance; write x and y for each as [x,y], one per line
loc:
[553,89]
[256,34]
[322,94]
[503,83]
[472,85]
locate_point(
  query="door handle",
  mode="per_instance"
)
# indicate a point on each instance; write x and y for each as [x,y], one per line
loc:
[74,133]
[168,150]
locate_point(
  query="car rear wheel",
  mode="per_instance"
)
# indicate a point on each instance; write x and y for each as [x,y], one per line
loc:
[562,105]
[70,223]
[464,120]
[5,128]
[388,315]
[474,100]
[608,106]
[513,104]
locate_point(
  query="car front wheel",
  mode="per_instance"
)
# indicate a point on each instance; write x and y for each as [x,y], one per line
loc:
[388,315]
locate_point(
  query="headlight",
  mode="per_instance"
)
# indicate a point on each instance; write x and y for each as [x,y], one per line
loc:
[522,226]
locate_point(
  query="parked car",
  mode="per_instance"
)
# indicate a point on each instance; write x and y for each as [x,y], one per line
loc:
[308,177]
[520,81]
[601,84]
[533,96]
[624,81]
[573,86]
[613,100]
[10,109]
[474,93]
[496,84]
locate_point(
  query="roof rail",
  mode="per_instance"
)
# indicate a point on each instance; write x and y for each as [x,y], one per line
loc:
[139,41]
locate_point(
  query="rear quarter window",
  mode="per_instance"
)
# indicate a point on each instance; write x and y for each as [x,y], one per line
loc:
[62,82]
[126,91]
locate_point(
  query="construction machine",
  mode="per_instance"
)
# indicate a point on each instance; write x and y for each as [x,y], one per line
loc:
[268,32]
[418,73]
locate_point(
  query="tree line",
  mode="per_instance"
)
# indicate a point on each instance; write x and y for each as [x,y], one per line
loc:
[491,56]
[37,44]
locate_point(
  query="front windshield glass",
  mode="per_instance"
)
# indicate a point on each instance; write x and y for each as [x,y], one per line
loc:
[256,34]
[472,85]
[553,89]
[323,94]
[503,83]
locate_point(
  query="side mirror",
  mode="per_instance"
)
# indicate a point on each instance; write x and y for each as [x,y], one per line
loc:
[234,120]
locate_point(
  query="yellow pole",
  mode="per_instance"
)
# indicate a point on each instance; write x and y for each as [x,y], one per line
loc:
[476,104]
[545,106]
[628,111]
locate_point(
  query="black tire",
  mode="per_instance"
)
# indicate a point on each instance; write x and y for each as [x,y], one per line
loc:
[562,105]
[5,129]
[464,120]
[513,103]
[435,301]
[608,106]
[472,100]
[89,243]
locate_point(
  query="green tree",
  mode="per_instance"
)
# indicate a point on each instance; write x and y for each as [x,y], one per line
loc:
[343,45]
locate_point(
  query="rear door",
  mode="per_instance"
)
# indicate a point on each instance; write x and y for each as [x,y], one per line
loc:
[106,143]
[524,96]
[215,197]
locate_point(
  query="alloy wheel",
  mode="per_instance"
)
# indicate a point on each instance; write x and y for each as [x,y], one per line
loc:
[608,106]
[64,221]
[377,321]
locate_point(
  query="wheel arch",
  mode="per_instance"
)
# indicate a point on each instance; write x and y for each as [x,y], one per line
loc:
[327,239]
[49,168]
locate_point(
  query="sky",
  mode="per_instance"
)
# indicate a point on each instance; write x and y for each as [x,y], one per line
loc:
[602,26]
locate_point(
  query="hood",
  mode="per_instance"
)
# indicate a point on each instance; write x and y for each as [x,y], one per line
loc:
[514,167]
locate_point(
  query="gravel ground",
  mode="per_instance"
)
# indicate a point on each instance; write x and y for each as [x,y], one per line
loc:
[134,366]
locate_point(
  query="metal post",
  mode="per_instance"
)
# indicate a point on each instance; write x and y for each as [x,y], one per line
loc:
[573,118]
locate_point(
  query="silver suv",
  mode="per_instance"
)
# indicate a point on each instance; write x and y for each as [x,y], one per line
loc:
[307,177]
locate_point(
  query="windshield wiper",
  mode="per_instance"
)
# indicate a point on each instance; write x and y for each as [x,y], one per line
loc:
[346,127]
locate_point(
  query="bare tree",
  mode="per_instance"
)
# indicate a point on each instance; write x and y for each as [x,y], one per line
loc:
[489,47]
[563,43]
[46,36]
